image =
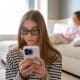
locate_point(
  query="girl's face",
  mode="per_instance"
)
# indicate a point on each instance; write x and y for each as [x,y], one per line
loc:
[30,32]
[75,20]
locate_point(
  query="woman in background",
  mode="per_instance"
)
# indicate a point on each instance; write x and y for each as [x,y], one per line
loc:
[74,30]
[32,31]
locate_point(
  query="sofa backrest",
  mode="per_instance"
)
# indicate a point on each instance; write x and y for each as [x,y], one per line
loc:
[60,28]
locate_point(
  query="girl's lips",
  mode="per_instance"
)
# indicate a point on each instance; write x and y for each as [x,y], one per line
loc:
[30,40]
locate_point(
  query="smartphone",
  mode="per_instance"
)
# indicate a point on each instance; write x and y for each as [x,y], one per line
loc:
[31,51]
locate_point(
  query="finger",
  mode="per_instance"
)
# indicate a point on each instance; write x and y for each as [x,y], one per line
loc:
[29,69]
[38,75]
[37,67]
[25,65]
[39,60]
[24,61]
[30,72]
[36,71]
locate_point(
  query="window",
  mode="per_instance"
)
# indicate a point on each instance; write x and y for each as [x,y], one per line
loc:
[11,12]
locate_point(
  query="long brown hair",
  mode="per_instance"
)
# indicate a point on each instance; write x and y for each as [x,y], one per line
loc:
[46,49]
[77,13]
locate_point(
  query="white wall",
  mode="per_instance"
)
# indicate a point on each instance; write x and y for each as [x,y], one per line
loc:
[53,9]
[11,12]
[44,9]
[68,7]
[61,9]
[42,6]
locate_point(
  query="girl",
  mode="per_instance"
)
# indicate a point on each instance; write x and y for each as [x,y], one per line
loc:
[32,31]
[74,30]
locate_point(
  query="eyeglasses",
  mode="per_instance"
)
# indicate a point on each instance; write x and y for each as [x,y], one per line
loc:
[33,31]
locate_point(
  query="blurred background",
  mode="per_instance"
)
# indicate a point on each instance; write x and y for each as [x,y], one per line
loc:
[57,14]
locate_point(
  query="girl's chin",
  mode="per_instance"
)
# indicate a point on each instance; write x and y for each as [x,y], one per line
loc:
[30,44]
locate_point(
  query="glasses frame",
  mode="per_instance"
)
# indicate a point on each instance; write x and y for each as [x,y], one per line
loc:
[25,31]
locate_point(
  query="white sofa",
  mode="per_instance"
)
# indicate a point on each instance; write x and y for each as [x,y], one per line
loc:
[70,53]
[3,51]
[71,58]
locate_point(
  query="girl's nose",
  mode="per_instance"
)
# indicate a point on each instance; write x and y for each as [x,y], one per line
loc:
[29,34]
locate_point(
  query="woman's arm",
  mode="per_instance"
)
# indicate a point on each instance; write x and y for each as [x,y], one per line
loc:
[55,70]
[12,72]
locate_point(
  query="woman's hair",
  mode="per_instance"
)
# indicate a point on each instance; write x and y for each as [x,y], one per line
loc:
[77,13]
[46,50]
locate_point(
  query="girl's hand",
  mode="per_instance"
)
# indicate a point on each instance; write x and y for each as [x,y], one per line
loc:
[40,70]
[26,67]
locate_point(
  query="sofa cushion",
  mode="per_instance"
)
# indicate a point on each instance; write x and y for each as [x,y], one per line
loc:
[60,28]
[69,50]
[4,45]
[76,41]
[57,39]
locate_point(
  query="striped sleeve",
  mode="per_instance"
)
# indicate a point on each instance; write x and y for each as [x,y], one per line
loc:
[54,71]
[12,67]
[10,73]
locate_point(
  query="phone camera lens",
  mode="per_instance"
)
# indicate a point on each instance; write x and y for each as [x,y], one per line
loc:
[28,51]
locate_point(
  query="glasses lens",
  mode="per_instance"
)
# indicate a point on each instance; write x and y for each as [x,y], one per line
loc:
[35,31]
[25,31]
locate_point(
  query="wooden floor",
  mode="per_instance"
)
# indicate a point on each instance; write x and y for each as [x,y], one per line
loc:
[68,77]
